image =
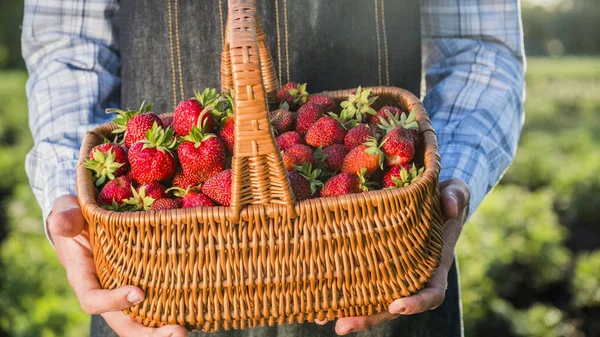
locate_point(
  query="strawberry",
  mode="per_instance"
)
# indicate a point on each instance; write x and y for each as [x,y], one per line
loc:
[325,132]
[359,104]
[398,143]
[151,159]
[306,116]
[334,157]
[163,204]
[135,124]
[289,139]
[191,197]
[341,184]
[182,181]
[325,103]
[218,188]
[384,113]
[293,96]
[282,120]
[107,161]
[358,135]
[167,120]
[115,192]
[303,180]
[401,175]
[198,111]
[297,155]
[367,155]
[227,132]
[201,155]
[144,196]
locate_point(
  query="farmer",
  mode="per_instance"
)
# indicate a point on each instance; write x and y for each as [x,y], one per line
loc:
[84,56]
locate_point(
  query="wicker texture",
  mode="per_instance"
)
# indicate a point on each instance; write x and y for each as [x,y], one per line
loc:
[266,259]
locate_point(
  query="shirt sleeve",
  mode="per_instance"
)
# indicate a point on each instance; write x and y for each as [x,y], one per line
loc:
[474,72]
[70,49]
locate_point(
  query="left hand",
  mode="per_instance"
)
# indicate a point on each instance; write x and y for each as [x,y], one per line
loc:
[455,195]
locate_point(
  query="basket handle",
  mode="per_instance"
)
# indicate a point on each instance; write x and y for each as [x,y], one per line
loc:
[258,174]
[269,75]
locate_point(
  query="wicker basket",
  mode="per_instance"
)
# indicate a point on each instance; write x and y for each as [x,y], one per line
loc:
[267,259]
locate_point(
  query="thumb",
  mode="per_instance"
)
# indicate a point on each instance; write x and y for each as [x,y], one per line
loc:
[455,195]
[66,219]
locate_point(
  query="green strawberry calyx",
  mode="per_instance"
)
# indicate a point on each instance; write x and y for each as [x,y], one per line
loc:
[159,138]
[358,105]
[182,192]
[407,122]
[374,148]
[346,119]
[311,175]
[104,165]
[196,136]
[407,177]
[299,94]
[123,116]
[365,184]
[140,201]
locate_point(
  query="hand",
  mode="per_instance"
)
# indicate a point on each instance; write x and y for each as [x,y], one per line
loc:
[455,195]
[66,227]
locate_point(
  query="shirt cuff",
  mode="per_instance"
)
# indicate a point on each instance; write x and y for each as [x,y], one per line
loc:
[466,163]
[60,181]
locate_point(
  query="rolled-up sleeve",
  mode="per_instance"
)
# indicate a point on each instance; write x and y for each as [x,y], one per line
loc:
[70,49]
[474,71]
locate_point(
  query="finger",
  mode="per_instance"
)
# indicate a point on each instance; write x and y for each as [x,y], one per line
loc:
[66,219]
[321,322]
[455,195]
[126,327]
[429,298]
[353,324]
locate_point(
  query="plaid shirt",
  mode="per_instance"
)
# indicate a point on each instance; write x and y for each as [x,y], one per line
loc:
[473,63]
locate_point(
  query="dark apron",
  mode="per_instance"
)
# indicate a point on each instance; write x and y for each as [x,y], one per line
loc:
[170,48]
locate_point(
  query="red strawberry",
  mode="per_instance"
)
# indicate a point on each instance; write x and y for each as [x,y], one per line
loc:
[304,181]
[115,192]
[201,155]
[325,103]
[227,133]
[385,113]
[135,124]
[218,188]
[194,199]
[358,135]
[306,116]
[182,181]
[325,132]
[154,190]
[151,159]
[290,85]
[293,96]
[282,120]
[289,139]
[107,161]
[297,155]
[197,112]
[334,156]
[367,155]
[163,204]
[341,184]
[166,120]
[398,143]
[401,175]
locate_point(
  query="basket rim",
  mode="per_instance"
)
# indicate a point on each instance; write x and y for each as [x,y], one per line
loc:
[88,201]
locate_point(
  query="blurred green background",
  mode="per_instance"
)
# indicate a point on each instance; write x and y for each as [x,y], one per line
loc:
[529,257]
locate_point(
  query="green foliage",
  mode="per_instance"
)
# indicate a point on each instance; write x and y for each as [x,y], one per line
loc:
[585,283]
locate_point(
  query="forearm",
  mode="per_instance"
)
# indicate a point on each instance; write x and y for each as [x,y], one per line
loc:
[475,94]
[70,51]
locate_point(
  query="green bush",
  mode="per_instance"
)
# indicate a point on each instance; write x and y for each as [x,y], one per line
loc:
[585,283]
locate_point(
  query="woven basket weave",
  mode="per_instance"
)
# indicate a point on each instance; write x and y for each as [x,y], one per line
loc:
[267,259]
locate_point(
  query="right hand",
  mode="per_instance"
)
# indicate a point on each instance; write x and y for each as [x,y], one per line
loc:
[66,226]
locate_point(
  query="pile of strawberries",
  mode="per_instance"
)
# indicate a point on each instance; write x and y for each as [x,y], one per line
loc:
[183,160]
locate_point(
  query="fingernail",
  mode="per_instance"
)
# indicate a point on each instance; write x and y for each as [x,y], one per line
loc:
[134,297]
[400,310]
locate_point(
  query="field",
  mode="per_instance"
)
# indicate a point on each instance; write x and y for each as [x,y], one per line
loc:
[529,257]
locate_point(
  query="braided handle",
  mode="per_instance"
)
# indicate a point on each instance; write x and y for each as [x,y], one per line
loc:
[258,175]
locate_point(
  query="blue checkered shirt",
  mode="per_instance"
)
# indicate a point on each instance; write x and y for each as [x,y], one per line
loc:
[473,62]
